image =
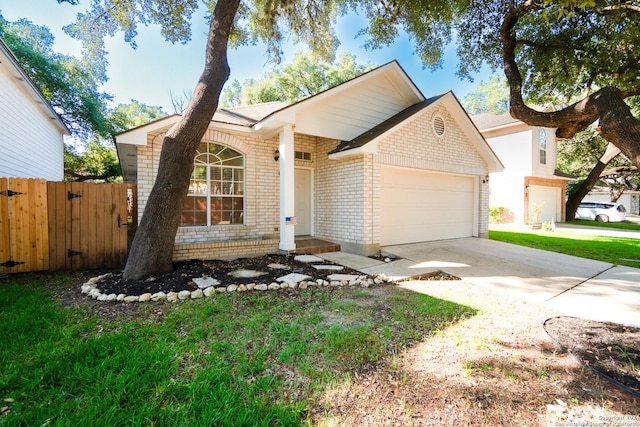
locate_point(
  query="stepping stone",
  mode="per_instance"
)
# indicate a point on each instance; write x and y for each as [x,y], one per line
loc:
[308,258]
[279,267]
[327,267]
[293,278]
[341,277]
[246,273]
[205,282]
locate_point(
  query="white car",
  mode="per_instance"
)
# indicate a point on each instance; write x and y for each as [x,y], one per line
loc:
[601,211]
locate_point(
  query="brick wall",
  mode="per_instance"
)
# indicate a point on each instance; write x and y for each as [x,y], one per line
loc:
[262,195]
[348,189]
[346,195]
[260,232]
[415,145]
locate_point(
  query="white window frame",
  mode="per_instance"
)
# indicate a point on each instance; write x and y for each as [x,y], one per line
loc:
[542,146]
[209,157]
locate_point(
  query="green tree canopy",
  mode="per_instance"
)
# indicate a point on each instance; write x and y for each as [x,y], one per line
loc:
[98,160]
[133,114]
[305,76]
[491,97]
[550,51]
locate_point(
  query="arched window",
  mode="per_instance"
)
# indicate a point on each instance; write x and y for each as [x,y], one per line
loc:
[216,190]
[542,146]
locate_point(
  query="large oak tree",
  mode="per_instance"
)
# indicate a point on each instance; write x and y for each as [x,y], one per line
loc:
[231,22]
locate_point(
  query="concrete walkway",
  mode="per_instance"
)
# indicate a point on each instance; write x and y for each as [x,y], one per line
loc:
[574,286]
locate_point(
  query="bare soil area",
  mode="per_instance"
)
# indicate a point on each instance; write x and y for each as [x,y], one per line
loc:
[498,368]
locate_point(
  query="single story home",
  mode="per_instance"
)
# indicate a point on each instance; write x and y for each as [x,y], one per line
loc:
[368,163]
[31,132]
[530,189]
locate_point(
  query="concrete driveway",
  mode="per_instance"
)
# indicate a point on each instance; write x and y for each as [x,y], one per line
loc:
[575,286]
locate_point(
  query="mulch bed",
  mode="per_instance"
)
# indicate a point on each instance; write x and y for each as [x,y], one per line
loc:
[610,349]
[181,278]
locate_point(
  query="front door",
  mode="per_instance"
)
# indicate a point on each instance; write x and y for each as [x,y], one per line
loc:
[303,201]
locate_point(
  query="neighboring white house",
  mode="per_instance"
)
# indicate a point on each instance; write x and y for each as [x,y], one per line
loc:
[31,133]
[530,187]
[368,163]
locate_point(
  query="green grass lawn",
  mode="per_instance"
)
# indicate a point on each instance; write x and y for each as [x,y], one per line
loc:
[252,359]
[627,225]
[614,250]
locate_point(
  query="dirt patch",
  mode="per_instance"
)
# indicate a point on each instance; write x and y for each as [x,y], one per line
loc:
[610,349]
[435,275]
[498,368]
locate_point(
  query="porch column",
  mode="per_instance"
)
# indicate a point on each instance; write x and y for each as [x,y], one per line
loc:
[287,205]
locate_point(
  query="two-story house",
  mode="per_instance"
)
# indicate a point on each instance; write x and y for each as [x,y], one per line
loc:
[529,187]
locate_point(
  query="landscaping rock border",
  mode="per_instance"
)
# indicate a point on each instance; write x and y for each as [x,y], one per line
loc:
[91,289]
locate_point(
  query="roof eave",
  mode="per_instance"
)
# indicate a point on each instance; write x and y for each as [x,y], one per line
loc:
[30,87]
[369,148]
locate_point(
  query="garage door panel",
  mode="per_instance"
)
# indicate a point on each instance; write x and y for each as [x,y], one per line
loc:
[420,206]
[547,199]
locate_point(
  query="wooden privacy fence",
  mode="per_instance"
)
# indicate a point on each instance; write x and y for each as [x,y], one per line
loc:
[61,225]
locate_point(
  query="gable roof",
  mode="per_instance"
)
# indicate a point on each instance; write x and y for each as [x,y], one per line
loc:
[486,121]
[367,142]
[247,115]
[363,139]
[347,110]
[22,80]
[357,112]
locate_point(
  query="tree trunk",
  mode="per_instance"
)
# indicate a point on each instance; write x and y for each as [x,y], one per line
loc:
[574,199]
[616,193]
[152,248]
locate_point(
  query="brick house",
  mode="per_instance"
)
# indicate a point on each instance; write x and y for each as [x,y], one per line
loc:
[368,163]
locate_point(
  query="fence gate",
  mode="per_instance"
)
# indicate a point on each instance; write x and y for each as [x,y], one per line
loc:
[24,241]
[87,225]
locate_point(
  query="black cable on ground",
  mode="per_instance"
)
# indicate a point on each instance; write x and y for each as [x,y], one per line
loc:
[591,368]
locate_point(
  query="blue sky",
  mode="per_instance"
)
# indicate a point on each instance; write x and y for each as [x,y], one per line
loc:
[158,68]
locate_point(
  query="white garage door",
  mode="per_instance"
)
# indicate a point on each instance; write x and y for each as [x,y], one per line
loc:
[419,206]
[546,201]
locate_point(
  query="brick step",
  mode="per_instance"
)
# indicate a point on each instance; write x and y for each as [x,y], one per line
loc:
[315,246]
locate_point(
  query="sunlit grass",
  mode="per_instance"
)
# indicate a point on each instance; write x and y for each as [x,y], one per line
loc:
[614,250]
[627,225]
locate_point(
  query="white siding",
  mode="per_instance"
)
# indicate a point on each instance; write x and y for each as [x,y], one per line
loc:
[350,116]
[30,143]
[547,170]
[516,151]
[507,190]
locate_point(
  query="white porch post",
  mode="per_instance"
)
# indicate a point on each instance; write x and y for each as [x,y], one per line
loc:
[287,205]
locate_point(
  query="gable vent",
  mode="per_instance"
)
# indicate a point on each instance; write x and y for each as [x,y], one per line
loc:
[439,125]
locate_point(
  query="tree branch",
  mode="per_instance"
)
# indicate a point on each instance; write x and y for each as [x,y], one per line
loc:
[530,43]
[618,170]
